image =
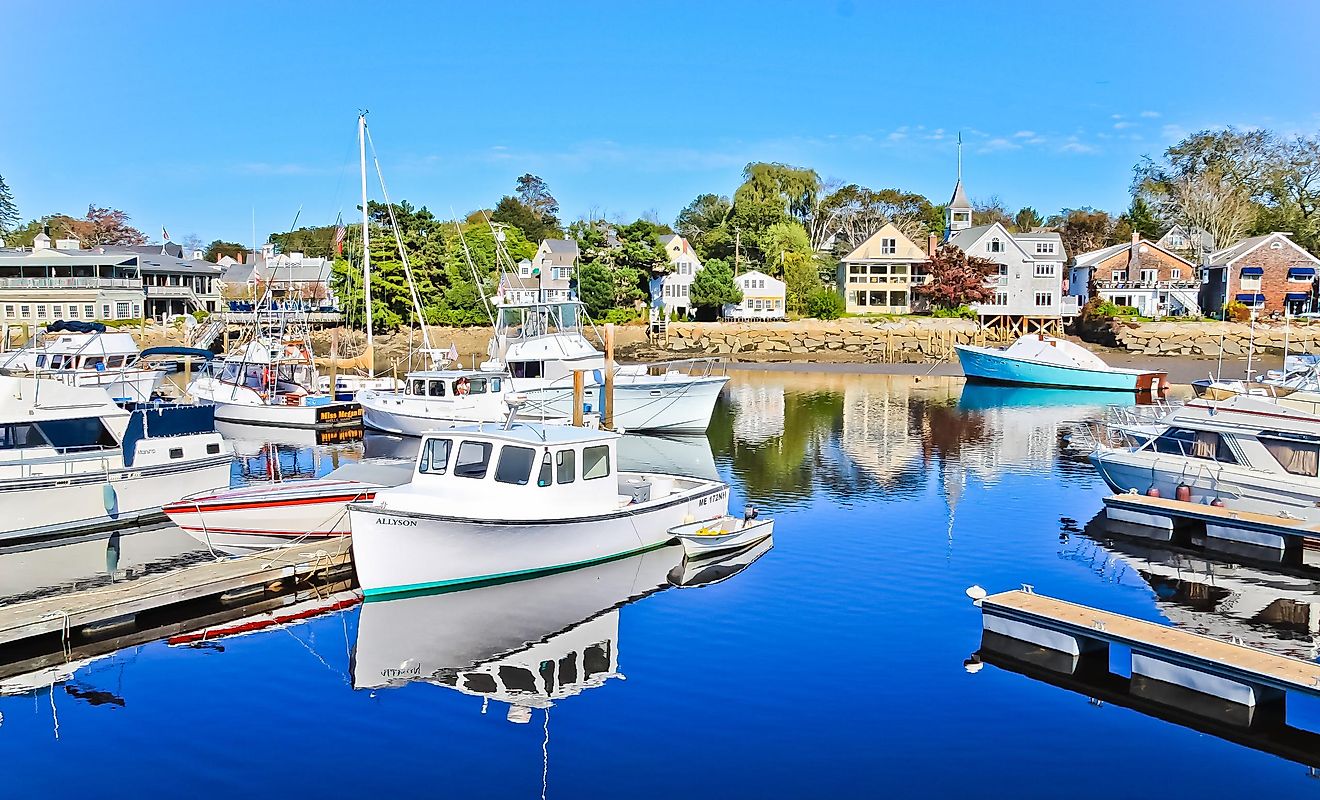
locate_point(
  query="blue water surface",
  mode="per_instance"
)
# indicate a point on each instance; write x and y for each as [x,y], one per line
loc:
[831,666]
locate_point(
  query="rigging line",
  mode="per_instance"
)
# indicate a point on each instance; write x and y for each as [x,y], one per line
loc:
[403,254]
[467,255]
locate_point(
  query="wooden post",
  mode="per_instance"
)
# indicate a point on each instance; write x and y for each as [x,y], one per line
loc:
[607,418]
[187,375]
[577,397]
[334,365]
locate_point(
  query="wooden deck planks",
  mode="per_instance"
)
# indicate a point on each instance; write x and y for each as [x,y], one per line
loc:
[106,603]
[1153,638]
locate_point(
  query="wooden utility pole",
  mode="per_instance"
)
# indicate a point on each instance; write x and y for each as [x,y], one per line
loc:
[577,397]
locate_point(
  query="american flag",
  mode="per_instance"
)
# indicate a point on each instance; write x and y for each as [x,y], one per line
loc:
[164,234]
[339,239]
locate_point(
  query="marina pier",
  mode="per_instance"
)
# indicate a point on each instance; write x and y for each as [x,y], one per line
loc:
[1186,667]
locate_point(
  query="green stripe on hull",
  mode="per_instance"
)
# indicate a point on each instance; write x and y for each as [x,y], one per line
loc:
[439,587]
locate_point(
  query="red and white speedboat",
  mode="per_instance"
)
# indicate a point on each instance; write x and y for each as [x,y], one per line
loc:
[293,512]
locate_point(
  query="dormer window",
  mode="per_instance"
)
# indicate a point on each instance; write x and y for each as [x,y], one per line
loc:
[888,247]
[996,246]
[1276,245]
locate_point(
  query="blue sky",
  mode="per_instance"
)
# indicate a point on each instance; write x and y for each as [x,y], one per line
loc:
[196,115]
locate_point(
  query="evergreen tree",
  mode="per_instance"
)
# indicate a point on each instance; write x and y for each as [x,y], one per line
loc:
[596,288]
[9,218]
[713,288]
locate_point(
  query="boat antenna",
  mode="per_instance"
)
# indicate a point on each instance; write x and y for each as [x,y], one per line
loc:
[1251,348]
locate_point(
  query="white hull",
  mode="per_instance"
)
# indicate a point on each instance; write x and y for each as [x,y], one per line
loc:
[676,405]
[719,536]
[66,501]
[400,551]
[1240,488]
[410,416]
[244,405]
[133,384]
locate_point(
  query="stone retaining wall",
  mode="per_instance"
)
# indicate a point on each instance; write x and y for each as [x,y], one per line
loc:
[1209,338]
[909,339]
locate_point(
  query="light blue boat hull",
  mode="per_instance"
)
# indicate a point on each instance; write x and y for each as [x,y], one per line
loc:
[984,365]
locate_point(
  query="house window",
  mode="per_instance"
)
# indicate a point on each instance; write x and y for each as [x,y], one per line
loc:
[121,311]
[9,311]
[1044,270]
[89,311]
[1044,248]
[1001,298]
[1276,245]
[888,246]
[1150,275]
[25,312]
[137,311]
[1176,241]
[57,311]
[1250,282]
[1044,299]
[73,311]
[996,246]
[1175,274]
[105,311]
[1118,276]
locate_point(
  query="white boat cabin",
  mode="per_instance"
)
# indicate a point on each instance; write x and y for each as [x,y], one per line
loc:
[78,351]
[543,340]
[452,383]
[524,472]
[266,365]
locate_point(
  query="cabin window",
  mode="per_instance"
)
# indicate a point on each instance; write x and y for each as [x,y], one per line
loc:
[473,459]
[176,452]
[114,362]
[94,362]
[1296,456]
[435,456]
[547,470]
[565,466]
[525,369]
[515,465]
[41,361]
[16,436]
[595,462]
[568,670]
[70,434]
[479,682]
[1196,444]
[56,362]
[477,386]
[518,679]
[437,389]
[212,449]
[419,388]
[596,659]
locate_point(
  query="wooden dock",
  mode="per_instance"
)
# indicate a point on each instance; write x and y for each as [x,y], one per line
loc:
[109,611]
[1272,537]
[1072,638]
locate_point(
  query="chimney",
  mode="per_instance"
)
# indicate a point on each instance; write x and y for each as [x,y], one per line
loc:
[1136,237]
[932,244]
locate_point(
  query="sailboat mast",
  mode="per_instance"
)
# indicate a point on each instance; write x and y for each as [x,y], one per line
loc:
[366,244]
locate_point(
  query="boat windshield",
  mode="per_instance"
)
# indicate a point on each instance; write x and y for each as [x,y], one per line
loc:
[518,322]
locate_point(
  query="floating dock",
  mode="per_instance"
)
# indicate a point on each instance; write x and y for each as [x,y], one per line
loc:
[1205,675]
[126,612]
[1265,536]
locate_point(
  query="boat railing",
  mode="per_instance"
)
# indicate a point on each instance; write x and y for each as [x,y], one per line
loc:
[90,459]
[702,367]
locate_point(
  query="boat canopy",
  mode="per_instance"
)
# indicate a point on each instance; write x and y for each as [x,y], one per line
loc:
[1049,350]
[180,352]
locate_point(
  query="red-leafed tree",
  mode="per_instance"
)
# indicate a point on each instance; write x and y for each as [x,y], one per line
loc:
[957,279]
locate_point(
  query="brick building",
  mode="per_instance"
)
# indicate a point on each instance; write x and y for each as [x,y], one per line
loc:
[1269,273]
[1141,274]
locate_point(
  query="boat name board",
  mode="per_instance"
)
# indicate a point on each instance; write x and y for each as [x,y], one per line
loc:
[339,416]
[407,523]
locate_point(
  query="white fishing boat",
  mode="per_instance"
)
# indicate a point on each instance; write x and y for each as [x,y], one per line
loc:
[288,512]
[1244,452]
[85,354]
[541,345]
[490,504]
[721,534]
[270,382]
[436,399]
[72,460]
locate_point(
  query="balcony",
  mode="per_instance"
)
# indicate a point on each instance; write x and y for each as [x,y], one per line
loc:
[1179,284]
[175,292]
[70,283]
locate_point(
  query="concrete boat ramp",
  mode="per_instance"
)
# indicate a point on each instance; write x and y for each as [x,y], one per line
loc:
[50,630]
[1228,689]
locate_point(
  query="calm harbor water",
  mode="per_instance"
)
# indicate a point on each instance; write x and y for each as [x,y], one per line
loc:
[831,664]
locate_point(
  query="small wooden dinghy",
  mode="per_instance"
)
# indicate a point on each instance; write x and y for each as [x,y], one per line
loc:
[721,533]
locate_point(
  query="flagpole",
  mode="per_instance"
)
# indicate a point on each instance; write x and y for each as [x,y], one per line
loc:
[366,244]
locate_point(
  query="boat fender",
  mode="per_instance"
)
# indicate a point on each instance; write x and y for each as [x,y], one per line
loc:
[110,500]
[1183,493]
[1152,492]
[1217,503]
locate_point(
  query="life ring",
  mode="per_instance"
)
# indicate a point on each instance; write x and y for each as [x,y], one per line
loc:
[462,386]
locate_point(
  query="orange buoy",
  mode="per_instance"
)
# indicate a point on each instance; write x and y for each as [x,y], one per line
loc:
[1152,492]
[1183,493]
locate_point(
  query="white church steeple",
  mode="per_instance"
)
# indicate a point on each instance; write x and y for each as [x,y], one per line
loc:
[958,213]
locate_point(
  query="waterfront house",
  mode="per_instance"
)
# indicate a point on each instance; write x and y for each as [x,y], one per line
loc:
[1193,245]
[294,279]
[1269,273]
[764,297]
[175,282]
[878,275]
[59,280]
[673,288]
[1141,274]
[1029,277]
[554,266]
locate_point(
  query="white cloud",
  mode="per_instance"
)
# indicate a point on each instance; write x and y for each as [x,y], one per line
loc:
[1077,147]
[1115,116]
[1024,135]
[1118,126]
[998,144]
[1150,114]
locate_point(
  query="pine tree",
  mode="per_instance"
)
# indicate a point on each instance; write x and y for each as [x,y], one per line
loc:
[9,218]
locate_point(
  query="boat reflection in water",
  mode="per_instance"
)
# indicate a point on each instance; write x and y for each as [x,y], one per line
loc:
[526,643]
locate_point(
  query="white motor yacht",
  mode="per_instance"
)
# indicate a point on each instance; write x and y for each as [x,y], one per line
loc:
[271,382]
[1251,454]
[87,355]
[487,503]
[72,460]
[436,399]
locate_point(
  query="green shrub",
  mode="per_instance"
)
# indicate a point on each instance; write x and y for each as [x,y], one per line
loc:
[1237,312]
[961,312]
[824,304]
[619,316]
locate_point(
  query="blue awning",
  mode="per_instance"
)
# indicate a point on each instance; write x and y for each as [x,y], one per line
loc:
[1301,272]
[1251,298]
[1252,271]
[1297,296]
